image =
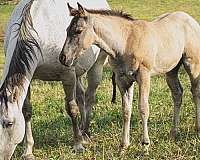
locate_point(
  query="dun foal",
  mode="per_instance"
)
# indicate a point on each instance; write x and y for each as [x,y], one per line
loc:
[139,49]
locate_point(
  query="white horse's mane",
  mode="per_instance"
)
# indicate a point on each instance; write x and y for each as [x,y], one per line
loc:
[24,53]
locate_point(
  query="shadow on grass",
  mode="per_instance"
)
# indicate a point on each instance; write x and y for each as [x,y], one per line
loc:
[57,130]
[53,132]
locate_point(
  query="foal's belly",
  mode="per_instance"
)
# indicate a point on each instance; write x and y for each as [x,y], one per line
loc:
[165,63]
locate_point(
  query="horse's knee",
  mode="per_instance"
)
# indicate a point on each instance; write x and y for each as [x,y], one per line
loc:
[179,91]
[72,108]
[144,111]
[90,98]
[80,96]
[27,111]
[177,96]
[126,114]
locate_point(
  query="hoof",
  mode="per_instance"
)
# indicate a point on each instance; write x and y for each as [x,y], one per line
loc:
[28,157]
[174,133]
[145,149]
[198,134]
[124,146]
[78,148]
[123,149]
[86,139]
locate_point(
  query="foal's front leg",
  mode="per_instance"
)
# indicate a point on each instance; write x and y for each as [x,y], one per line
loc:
[126,90]
[144,89]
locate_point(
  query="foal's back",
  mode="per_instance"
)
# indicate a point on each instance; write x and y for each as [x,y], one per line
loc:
[165,39]
[181,26]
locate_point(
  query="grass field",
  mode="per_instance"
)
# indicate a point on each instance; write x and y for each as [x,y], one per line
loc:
[52,128]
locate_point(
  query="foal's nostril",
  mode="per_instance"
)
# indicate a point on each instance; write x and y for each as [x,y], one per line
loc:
[62,58]
[7,124]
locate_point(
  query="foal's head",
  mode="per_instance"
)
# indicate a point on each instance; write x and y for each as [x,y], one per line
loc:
[80,36]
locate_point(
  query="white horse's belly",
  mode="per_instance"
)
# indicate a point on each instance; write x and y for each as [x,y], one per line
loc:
[50,68]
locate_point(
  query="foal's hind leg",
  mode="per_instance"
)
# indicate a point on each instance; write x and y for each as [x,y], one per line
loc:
[177,92]
[114,88]
[28,139]
[193,71]
[94,77]
[69,84]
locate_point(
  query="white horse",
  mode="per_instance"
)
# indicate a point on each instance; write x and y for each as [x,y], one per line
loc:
[34,39]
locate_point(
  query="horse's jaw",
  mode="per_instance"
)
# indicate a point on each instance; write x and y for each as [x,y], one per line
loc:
[8,151]
[13,135]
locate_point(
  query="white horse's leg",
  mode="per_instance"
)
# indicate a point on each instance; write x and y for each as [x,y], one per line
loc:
[28,138]
[193,71]
[126,91]
[80,97]
[94,77]
[69,84]
[177,92]
[144,89]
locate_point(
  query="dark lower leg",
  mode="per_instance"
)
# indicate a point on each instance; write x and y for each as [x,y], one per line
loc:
[177,92]
[28,138]
[80,96]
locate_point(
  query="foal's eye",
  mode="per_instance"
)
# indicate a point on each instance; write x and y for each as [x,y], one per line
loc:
[79,31]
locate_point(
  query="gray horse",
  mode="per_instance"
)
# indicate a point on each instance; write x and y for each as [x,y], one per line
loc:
[35,36]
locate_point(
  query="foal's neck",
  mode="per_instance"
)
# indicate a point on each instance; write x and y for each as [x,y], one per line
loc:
[112,33]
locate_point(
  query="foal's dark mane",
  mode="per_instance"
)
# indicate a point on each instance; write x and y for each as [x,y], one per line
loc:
[116,13]
[24,53]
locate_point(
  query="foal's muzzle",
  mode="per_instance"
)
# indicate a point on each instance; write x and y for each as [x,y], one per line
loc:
[64,61]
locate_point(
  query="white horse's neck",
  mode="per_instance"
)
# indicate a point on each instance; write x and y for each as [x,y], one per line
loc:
[20,63]
[112,33]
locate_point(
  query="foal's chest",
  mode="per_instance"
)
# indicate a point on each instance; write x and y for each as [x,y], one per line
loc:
[124,69]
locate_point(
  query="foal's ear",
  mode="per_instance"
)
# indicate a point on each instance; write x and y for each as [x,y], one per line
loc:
[81,10]
[72,11]
[15,95]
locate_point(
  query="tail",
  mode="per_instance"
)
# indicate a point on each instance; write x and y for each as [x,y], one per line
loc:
[114,88]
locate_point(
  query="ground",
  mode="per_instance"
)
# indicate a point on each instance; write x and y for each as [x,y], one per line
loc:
[52,129]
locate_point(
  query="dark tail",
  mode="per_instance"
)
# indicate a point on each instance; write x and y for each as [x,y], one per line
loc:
[114,88]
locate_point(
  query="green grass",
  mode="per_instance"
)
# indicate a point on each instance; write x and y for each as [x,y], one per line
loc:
[52,128]
[5,12]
